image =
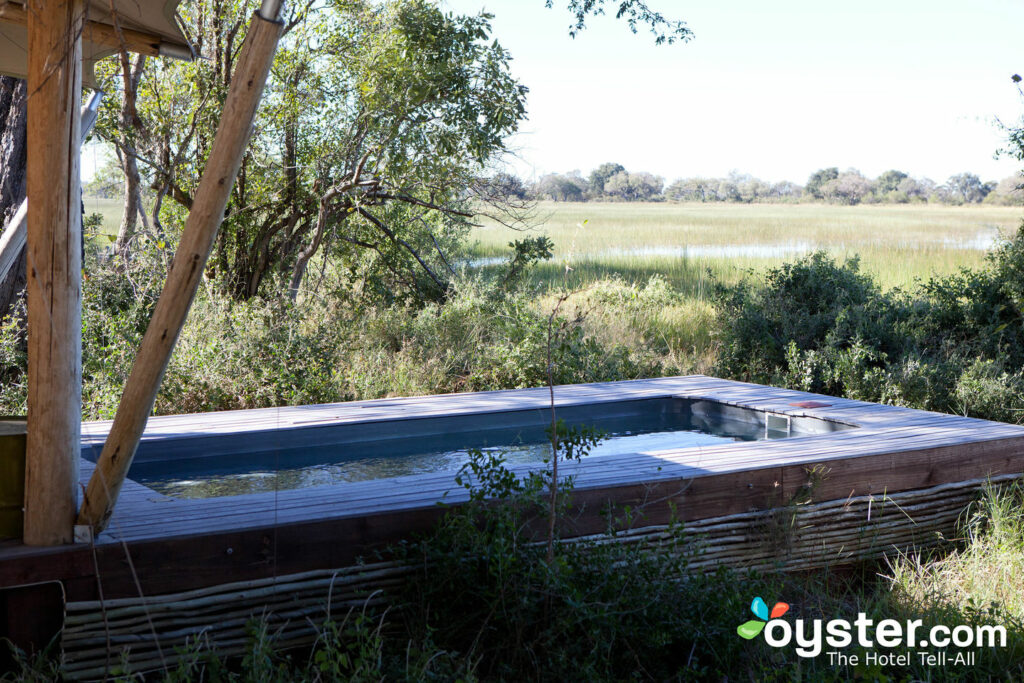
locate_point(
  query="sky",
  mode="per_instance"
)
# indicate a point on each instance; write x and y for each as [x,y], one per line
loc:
[776,89]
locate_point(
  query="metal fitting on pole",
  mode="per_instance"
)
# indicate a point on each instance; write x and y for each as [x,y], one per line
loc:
[271,9]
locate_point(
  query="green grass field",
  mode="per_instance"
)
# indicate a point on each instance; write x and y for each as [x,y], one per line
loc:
[112,209]
[896,243]
[683,242]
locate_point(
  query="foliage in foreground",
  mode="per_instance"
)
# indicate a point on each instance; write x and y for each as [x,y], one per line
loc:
[626,611]
[486,604]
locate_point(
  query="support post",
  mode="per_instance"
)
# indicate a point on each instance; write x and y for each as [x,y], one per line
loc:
[54,270]
[197,240]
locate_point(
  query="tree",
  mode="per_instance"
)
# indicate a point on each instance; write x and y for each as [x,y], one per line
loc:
[503,186]
[1010,190]
[128,129]
[850,187]
[785,190]
[692,190]
[889,182]
[916,189]
[635,12]
[411,106]
[562,188]
[966,188]
[819,178]
[633,187]
[1015,133]
[727,191]
[13,115]
[749,188]
[600,175]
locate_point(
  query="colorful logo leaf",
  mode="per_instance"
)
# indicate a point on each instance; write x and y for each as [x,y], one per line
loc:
[751,629]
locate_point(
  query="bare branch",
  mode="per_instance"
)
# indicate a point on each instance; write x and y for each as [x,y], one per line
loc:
[397,240]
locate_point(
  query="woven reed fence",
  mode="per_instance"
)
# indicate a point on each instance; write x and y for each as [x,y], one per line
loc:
[145,632]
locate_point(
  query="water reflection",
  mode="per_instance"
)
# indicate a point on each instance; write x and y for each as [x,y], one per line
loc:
[349,462]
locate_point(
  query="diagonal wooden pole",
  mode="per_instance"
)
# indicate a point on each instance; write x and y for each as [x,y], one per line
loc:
[197,239]
[54,270]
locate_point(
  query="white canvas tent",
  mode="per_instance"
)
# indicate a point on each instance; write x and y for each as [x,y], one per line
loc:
[51,43]
[147,26]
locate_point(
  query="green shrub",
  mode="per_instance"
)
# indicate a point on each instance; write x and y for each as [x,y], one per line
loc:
[811,304]
[13,361]
[954,344]
[986,389]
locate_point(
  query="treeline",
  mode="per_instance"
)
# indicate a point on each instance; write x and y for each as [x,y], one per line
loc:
[612,182]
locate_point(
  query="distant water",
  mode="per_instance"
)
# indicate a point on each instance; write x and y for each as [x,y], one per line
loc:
[714,250]
[983,241]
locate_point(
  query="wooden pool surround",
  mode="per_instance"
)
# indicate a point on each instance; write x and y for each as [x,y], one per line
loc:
[177,545]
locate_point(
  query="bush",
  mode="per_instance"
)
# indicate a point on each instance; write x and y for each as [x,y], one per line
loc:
[954,344]
[811,305]
[270,352]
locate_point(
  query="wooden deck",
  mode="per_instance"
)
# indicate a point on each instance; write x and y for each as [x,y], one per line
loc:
[182,544]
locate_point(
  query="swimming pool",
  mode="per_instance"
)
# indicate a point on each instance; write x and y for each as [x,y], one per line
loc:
[384,448]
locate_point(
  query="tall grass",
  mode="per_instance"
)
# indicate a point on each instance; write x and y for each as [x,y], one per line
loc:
[987,570]
[897,244]
[620,225]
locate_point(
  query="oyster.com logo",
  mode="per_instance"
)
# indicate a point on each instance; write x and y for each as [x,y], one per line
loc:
[751,629]
[887,642]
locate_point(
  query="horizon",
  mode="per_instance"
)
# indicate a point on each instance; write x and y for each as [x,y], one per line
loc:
[916,88]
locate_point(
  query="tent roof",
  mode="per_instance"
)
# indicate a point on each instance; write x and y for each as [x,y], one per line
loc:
[151,23]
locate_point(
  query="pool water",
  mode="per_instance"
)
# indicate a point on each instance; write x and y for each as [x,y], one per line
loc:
[390,455]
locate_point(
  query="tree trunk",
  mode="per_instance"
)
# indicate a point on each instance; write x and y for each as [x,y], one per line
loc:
[131,73]
[305,254]
[13,96]
[132,205]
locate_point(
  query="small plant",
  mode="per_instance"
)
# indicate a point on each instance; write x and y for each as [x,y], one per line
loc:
[352,650]
[39,667]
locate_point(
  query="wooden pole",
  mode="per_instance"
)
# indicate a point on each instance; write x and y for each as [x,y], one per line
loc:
[186,271]
[54,270]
